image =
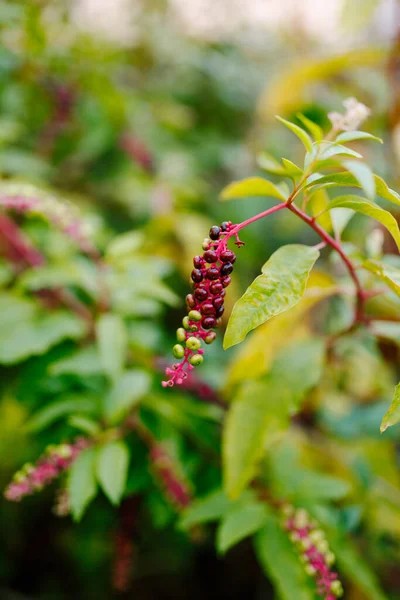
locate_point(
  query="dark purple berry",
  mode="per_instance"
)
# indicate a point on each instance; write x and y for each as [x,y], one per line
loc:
[207,309]
[216,288]
[201,294]
[214,232]
[226,281]
[210,256]
[226,268]
[218,302]
[219,312]
[228,256]
[208,322]
[197,275]
[198,262]
[190,301]
[224,225]
[223,293]
[212,273]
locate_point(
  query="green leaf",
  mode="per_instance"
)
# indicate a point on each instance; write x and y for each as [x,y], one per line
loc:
[392,417]
[112,468]
[82,486]
[364,176]
[270,164]
[296,369]
[330,149]
[351,563]
[387,273]
[207,509]
[131,386]
[301,134]
[348,179]
[252,186]
[351,136]
[84,424]
[85,361]
[47,415]
[312,127]
[255,418]
[112,344]
[275,553]
[239,524]
[281,286]
[369,209]
[26,330]
[292,169]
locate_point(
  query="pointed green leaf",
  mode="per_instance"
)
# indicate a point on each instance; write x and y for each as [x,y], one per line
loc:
[252,186]
[56,410]
[364,176]
[351,136]
[392,417]
[112,344]
[239,524]
[387,273]
[281,285]
[112,468]
[369,209]
[348,179]
[270,164]
[212,507]
[312,127]
[280,563]
[301,134]
[328,150]
[292,169]
[82,483]
[256,416]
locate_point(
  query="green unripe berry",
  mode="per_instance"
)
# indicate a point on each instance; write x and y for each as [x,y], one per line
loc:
[194,315]
[180,334]
[210,337]
[193,328]
[185,322]
[193,343]
[310,570]
[337,588]
[196,360]
[330,558]
[178,351]
[206,243]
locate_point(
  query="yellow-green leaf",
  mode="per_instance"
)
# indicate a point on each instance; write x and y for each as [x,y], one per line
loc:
[252,186]
[389,274]
[255,418]
[239,524]
[369,209]
[392,417]
[348,179]
[270,164]
[312,127]
[301,134]
[281,285]
[364,176]
[351,136]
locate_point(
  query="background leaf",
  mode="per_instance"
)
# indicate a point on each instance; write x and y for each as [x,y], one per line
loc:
[238,524]
[82,483]
[392,417]
[112,463]
[112,344]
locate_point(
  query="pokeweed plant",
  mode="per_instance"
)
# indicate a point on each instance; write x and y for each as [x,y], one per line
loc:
[102,392]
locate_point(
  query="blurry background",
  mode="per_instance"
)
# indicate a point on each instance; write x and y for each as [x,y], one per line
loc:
[140,112]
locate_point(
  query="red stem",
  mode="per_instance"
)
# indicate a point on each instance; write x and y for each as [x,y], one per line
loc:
[361,295]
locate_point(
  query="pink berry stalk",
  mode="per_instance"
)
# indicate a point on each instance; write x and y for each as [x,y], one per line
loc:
[55,461]
[314,551]
[174,485]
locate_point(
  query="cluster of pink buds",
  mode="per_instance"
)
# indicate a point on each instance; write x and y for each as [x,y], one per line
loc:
[209,278]
[55,461]
[173,483]
[314,551]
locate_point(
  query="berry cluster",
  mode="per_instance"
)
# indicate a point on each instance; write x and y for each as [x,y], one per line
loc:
[54,461]
[314,551]
[174,484]
[209,278]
